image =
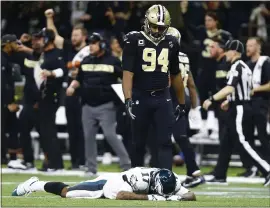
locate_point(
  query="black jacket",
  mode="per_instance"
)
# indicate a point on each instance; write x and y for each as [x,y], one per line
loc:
[51,60]
[7,82]
[96,76]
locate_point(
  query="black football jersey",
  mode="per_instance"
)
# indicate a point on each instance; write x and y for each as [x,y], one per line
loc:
[206,38]
[150,62]
[223,66]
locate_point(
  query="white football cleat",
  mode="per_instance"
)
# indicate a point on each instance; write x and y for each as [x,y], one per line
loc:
[25,187]
[16,164]
[107,158]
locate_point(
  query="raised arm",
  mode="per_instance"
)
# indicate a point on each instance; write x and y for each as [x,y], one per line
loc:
[59,41]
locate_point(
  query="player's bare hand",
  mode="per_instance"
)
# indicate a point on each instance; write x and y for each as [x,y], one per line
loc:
[128,104]
[206,104]
[225,105]
[70,91]
[49,13]
[45,73]
[25,37]
[13,107]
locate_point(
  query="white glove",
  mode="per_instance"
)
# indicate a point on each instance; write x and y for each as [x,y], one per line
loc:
[195,118]
[174,198]
[155,197]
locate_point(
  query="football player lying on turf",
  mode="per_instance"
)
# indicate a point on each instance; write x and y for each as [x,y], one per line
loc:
[134,184]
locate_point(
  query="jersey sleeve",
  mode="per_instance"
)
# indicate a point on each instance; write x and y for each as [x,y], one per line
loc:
[118,68]
[234,76]
[126,187]
[129,52]
[81,54]
[174,62]
[266,69]
[79,77]
[61,64]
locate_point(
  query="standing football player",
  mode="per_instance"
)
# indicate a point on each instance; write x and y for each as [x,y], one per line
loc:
[194,175]
[149,57]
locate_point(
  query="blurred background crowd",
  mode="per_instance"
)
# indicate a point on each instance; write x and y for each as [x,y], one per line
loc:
[114,19]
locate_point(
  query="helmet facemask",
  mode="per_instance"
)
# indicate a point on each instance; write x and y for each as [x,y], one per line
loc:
[157,18]
[155,36]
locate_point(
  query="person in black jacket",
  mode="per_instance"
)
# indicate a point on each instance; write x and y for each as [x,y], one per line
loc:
[29,118]
[96,74]
[9,45]
[51,69]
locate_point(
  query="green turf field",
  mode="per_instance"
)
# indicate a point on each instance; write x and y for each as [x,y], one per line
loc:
[233,195]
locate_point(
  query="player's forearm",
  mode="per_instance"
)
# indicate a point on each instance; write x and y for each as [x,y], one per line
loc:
[124,195]
[59,41]
[74,84]
[223,93]
[179,88]
[127,84]
[50,25]
[192,91]
[262,88]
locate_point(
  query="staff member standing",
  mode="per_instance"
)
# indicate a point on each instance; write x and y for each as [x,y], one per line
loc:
[260,67]
[9,46]
[53,70]
[96,74]
[29,117]
[239,109]
[72,103]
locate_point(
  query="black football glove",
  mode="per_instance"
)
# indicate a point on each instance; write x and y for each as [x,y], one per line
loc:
[128,104]
[179,111]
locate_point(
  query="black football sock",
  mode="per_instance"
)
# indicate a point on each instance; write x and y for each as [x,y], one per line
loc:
[54,187]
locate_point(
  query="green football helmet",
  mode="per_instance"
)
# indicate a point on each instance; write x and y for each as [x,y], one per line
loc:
[174,32]
[156,23]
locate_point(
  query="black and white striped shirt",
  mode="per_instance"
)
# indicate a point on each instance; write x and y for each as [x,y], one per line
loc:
[240,77]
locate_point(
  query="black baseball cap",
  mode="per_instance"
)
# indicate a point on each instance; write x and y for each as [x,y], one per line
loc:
[45,33]
[9,38]
[235,45]
[95,37]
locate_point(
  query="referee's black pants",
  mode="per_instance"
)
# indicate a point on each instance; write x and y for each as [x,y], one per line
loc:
[29,118]
[75,130]
[48,133]
[239,131]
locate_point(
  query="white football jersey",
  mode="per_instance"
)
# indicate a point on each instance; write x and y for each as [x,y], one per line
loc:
[136,180]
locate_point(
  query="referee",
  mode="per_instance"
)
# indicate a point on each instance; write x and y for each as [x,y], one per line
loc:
[239,109]
[260,66]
